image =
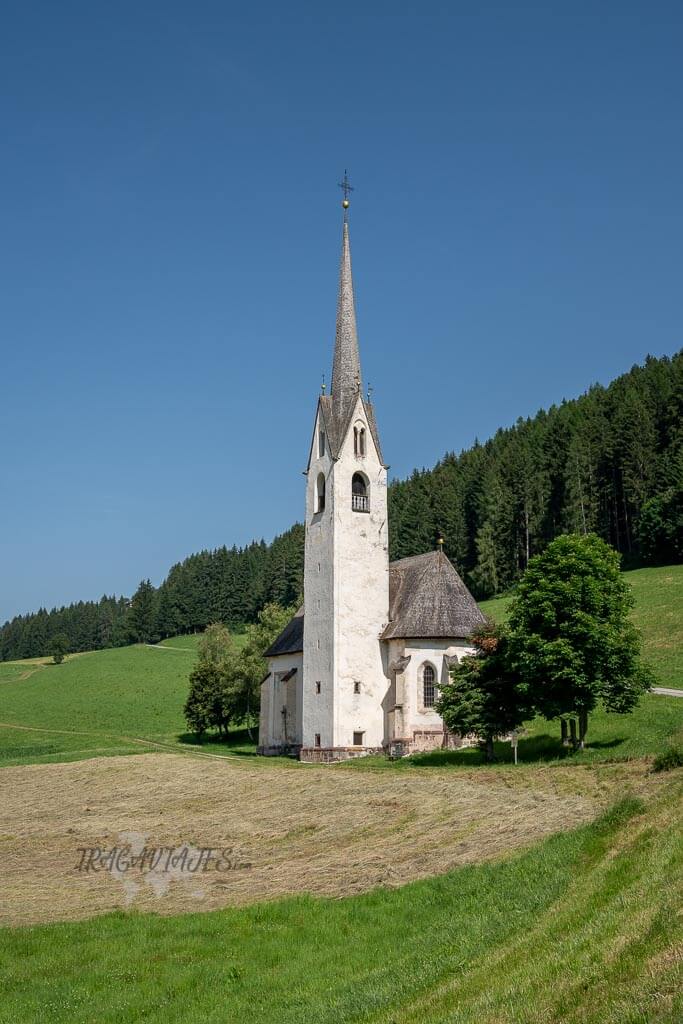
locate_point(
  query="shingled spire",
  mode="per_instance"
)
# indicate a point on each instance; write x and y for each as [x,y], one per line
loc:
[346,375]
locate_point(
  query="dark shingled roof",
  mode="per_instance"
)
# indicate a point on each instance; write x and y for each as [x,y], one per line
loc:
[291,639]
[337,419]
[428,599]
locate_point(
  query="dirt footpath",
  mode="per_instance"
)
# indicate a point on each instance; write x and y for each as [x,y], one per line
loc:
[173,833]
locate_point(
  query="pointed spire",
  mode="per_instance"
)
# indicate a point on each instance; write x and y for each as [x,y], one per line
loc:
[346,375]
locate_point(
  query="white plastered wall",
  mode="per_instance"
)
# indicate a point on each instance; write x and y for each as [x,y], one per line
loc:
[276,729]
[408,690]
[346,597]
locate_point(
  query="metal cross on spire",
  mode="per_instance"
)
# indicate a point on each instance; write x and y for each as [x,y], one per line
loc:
[346,188]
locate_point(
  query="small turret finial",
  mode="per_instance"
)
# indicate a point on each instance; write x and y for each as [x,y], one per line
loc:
[346,188]
[440,542]
[370,391]
[323,385]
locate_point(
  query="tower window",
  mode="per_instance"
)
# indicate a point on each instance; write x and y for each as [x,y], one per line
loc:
[317,739]
[359,441]
[320,493]
[321,443]
[428,686]
[358,739]
[356,686]
[360,500]
[317,686]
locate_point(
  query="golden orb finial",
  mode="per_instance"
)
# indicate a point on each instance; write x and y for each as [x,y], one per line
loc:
[345,204]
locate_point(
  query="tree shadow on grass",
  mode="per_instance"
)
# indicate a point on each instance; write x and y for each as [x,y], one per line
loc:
[237,743]
[542,747]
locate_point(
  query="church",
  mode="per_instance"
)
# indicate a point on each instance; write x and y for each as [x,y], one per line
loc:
[357,670]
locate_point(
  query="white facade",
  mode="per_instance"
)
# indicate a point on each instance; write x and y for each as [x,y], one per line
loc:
[280,712]
[346,591]
[411,721]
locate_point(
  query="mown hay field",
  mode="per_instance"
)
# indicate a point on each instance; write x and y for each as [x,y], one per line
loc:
[298,827]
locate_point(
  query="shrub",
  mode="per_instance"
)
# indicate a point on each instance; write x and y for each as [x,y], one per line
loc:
[668,759]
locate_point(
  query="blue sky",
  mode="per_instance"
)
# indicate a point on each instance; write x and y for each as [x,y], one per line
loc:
[170,240]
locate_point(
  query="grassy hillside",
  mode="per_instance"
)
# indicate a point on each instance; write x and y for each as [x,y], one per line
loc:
[131,698]
[102,702]
[658,613]
[584,928]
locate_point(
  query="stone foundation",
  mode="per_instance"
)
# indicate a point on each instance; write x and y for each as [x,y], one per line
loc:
[328,755]
[290,750]
[424,740]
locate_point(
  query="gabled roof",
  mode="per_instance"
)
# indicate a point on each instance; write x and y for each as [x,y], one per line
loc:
[428,599]
[291,639]
[337,419]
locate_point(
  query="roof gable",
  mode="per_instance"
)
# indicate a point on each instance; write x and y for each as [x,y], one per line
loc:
[338,420]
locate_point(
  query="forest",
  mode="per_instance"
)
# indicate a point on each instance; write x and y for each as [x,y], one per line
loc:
[609,462]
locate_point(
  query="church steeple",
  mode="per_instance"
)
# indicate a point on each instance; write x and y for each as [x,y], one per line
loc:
[346,373]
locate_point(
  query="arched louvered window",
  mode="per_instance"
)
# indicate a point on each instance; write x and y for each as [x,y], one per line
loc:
[428,686]
[360,499]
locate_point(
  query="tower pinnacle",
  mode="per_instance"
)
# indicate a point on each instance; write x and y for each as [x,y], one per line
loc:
[346,375]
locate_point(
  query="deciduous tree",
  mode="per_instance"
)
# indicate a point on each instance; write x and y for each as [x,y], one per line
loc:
[60,647]
[485,696]
[571,637]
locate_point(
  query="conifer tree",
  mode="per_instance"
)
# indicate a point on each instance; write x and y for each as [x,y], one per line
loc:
[142,615]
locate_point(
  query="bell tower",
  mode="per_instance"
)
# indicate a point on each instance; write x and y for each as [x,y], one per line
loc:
[346,566]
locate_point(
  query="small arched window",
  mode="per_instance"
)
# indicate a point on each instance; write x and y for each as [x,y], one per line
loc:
[428,686]
[320,493]
[359,441]
[360,501]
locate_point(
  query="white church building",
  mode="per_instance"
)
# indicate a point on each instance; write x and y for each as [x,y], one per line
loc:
[358,668]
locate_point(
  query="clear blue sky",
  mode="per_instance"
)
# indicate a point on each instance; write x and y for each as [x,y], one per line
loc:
[170,234]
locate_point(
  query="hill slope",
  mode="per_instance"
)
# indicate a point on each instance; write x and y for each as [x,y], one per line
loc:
[583,929]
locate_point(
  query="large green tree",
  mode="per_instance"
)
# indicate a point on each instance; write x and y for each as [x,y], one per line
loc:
[224,685]
[211,702]
[571,638]
[485,696]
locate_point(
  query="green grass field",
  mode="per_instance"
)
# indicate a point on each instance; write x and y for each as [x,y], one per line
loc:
[119,701]
[130,699]
[584,928]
